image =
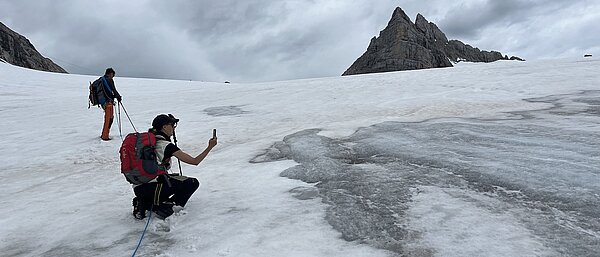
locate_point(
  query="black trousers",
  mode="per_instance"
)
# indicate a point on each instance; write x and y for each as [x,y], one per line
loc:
[179,192]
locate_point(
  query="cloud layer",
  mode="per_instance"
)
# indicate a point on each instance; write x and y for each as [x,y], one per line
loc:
[250,41]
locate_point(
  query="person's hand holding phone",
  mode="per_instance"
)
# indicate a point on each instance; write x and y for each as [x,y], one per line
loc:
[213,141]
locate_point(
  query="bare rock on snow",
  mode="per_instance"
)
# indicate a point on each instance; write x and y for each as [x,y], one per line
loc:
[17,50]
[404,45]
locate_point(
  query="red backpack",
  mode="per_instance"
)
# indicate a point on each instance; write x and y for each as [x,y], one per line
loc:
[138,158]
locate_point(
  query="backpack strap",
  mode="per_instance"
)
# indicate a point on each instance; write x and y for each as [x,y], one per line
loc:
[164,163]
[105,83]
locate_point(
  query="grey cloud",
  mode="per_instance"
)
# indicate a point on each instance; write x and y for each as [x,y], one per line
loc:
[527,28]
[553,29]
[469,19]
[274,40]
[247,41]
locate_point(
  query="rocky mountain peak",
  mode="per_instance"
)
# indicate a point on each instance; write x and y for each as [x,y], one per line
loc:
[17,50]
[421,22]
[400,16]
[432,32]
[404,45]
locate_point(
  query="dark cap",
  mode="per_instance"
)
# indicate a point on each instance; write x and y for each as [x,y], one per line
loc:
[109,71]
[162,120]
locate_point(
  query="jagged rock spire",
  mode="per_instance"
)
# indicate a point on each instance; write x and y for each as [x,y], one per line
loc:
[404,45]
[400,15]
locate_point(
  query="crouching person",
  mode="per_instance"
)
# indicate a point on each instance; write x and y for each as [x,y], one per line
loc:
[165,191]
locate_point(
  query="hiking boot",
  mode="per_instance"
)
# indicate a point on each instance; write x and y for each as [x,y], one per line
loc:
[163,210]
[139,210]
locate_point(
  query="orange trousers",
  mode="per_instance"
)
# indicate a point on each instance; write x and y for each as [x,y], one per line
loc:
[108,120]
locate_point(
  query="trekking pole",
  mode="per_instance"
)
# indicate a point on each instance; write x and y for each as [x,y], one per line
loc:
[178,161]
[119,119]
[129,118]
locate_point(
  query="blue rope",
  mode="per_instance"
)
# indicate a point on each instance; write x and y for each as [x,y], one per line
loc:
[140,242]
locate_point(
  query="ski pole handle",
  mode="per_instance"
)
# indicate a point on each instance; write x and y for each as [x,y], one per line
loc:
[214,133]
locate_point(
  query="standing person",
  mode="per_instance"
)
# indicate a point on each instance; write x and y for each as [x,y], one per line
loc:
[107,100]
[166,191]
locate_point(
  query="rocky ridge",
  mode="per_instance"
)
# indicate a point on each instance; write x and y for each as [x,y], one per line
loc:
[404,45]
[17,50]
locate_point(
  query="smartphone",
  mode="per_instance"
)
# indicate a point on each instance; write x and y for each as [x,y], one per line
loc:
[214,133]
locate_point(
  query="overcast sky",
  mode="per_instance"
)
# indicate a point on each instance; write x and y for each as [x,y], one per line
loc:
[267,40]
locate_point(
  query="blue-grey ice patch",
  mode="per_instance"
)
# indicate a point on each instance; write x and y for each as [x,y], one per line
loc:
[224,111]
[526,185]
[305,193]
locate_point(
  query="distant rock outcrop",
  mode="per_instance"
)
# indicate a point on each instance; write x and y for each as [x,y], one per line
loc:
[17,50]
[404,45]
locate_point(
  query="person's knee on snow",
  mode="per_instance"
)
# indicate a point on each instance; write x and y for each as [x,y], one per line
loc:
[185,189]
